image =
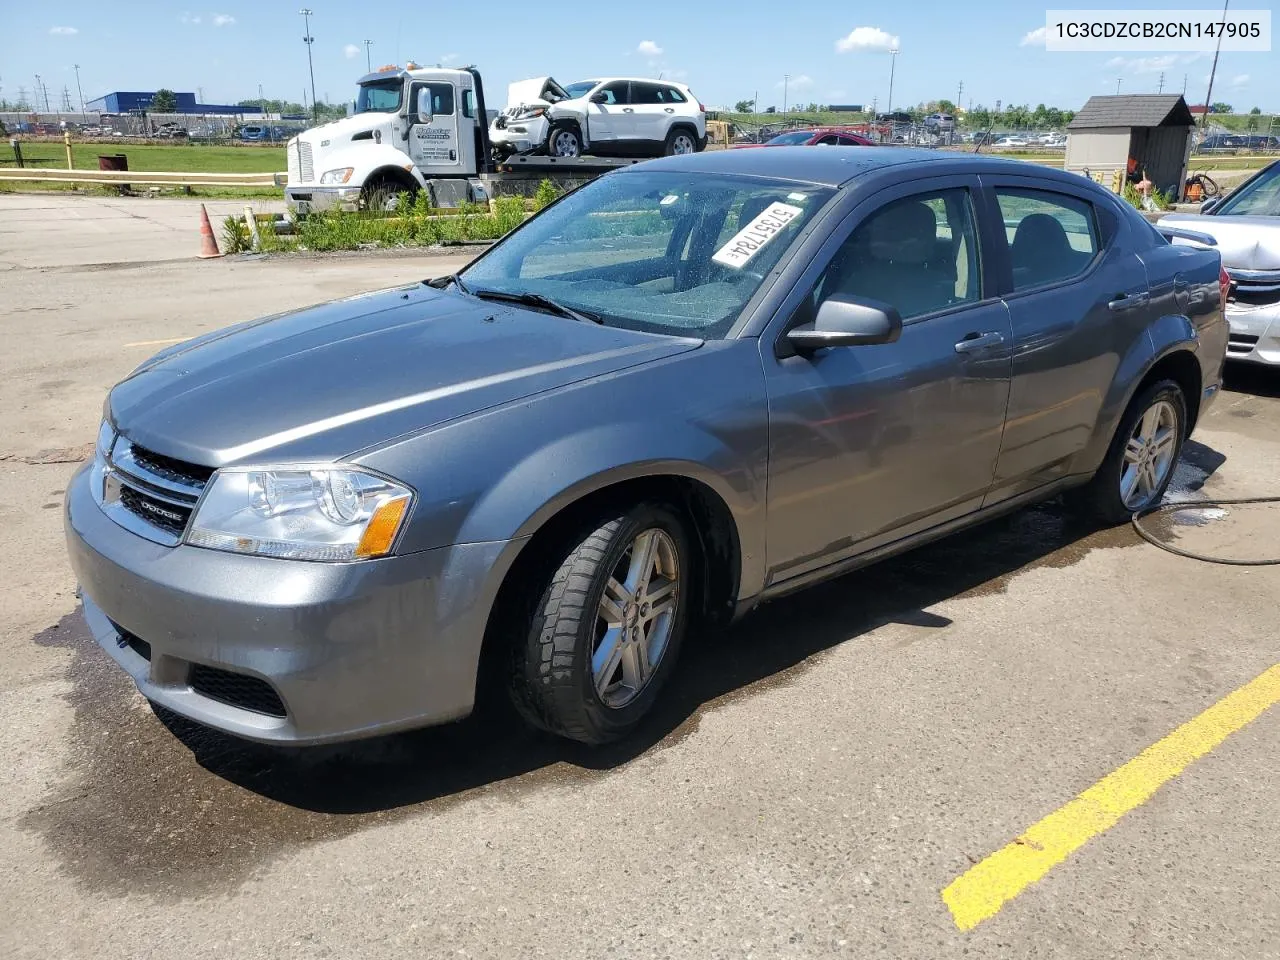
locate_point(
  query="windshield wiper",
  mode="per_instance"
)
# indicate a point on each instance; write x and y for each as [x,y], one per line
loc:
[440,283]
[539,301]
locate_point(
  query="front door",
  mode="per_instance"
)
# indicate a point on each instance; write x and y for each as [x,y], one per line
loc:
[434,146]
[870,444]
[612,120]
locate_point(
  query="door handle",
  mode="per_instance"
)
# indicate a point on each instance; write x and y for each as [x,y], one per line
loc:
[668,109]
[980,341]
[627,110]
[1127,301]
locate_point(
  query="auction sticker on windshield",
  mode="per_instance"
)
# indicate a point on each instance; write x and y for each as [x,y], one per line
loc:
[752,238]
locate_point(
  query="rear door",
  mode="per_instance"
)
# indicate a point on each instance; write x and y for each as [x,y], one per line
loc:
[652,112]
[1077,298]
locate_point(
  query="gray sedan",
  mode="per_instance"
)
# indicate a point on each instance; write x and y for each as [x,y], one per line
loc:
[687,388]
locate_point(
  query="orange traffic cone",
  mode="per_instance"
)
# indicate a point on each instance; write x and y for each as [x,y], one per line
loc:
[208,245]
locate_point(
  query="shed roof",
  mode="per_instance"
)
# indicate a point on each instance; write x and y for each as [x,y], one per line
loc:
[1133,110]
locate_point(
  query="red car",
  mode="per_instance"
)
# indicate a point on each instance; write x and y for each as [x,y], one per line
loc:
[817,137]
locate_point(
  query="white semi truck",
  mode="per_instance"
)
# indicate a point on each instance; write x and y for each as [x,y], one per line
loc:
[415,129]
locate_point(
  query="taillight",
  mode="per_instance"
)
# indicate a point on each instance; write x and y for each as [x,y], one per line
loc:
[702,106]
[1224,283]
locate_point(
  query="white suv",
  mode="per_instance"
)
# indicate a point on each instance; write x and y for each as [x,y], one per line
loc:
[649,118]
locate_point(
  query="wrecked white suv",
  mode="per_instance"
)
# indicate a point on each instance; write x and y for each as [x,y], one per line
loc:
[648,118]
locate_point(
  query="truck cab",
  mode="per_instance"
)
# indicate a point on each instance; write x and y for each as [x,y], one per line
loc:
[412,129]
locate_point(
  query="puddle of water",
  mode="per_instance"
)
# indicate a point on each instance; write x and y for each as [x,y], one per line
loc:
[156,805]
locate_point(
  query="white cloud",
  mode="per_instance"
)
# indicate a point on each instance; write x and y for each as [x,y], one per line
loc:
[866,38]
[1240,80]
[800,82]
[63,31]
[1035,38]
[448,58]
[223,20]
[351,51]
[188,18]
[1141,64]
[649,49]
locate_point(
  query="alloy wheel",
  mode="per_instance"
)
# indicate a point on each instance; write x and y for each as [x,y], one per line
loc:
[1148,455]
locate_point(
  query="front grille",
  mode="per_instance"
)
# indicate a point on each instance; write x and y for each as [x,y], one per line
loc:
[306,165]
[158,490]
[1255,287]
[175,471]
[236,690]
[160,513]
[291,155]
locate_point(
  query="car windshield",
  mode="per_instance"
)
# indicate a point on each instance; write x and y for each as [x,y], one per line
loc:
[661,252]
[1261,198]
[800,136]
[579,89]
[382,96]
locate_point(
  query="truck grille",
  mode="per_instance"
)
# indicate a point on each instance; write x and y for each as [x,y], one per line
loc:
[306,164]
[291,156]
[152,494]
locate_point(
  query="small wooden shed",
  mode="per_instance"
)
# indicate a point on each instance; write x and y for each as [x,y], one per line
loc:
[1154,129]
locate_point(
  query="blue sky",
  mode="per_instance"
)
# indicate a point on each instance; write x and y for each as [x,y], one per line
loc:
[833,51]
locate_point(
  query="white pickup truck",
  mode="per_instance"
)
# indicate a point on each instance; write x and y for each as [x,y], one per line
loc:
[413,129]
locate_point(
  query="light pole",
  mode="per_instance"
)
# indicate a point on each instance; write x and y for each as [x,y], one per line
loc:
[1119,80]
[368,61]
[893,62]
[78,90]
[1208,97]
[786,78]
[308,39]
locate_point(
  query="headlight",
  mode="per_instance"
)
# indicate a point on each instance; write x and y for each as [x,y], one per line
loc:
[530,114]
[301,514]
[101,452]
[341,175]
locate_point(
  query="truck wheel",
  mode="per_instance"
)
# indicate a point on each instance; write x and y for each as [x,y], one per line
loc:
[386,196]
[564,141]
[606,629]
[679,142]
[1142,457]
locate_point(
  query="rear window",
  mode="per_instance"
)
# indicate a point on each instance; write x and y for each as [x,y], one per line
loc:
[1051,236]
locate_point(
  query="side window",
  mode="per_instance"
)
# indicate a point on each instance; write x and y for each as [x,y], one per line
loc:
[645,93]
[1051,236]
[672,95]
[468,103]
[617,92]
[441,98]
[830,140]
[919,253]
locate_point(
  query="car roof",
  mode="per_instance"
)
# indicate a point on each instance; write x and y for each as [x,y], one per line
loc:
[835,166]
[667,83]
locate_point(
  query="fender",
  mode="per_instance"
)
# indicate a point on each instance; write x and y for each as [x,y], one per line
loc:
[367,159]
[574,466]
[560,112]
[1167,335]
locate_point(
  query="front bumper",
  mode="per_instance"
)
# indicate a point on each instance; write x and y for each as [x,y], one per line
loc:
[519,136]
[1255,332]
[302,200]
[349,649]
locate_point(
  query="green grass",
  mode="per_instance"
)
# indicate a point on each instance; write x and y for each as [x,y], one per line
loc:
[148,157]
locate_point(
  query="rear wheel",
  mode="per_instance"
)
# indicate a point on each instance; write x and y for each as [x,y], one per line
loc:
[679,142]
[564,141]
[1142,456]
[607,627]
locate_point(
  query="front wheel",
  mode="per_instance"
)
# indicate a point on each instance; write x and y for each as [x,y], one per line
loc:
[386,196]
[1140,462]
[606,628]
[564,141]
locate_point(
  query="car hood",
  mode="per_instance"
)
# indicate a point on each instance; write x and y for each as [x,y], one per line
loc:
[540,91]
[323,383]
[1245,243]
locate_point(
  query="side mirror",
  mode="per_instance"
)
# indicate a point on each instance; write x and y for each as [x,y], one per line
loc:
[843,321]
[600,97]
[422,108]
[1210,205]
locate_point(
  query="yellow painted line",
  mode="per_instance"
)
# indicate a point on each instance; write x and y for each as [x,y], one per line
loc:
[980,892]
[157,343]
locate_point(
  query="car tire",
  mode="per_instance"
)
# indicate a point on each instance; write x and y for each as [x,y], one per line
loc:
[386,196]
[564,140]
[680,141]
[1137,441]
[596,651]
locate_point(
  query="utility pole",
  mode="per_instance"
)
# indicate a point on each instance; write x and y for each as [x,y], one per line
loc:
[1208,97]
[368,57]
[1160,89]
[1119,80]
[893,62]
[960,95]
[308,39]
[23,103]
[66,100]
[35,106]
[786,78]
[78,90]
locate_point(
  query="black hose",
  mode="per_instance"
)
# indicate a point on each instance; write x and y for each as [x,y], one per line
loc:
[1198,505]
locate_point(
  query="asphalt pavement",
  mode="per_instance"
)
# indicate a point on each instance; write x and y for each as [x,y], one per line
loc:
[813,782]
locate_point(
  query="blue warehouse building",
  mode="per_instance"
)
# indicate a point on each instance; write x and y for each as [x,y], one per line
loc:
[126,101]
